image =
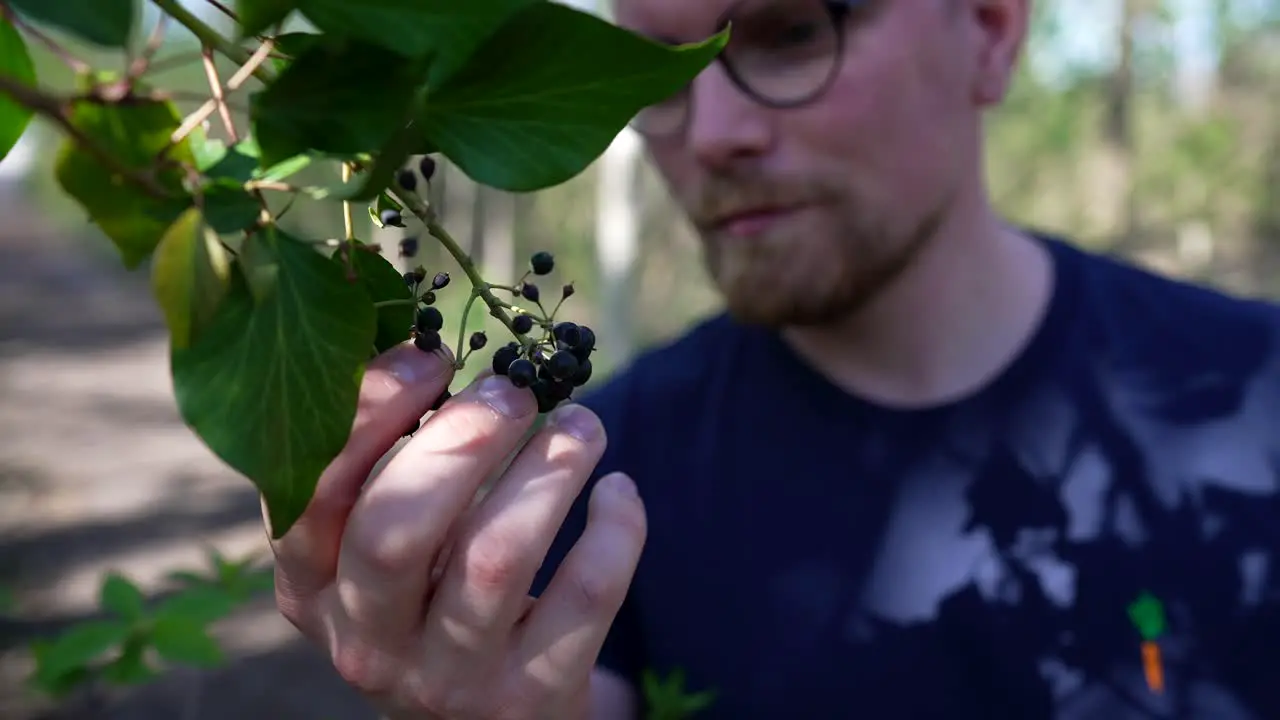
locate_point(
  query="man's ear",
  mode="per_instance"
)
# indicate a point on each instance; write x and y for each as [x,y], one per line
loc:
[1000,29]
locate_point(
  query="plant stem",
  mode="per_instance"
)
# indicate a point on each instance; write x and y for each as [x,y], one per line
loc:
[77,65]
[348,219]
[220,99]
[394,303]
[238,79]
[138,67]
[462,329]
[56,109]
[210,37]
[419,207]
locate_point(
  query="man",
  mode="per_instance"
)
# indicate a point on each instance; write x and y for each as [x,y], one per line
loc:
[925,466]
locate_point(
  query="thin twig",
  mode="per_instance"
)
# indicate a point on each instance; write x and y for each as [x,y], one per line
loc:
[139,66]
[210,37]
[223,9]
[215,86]
[58,110]
[77,65]
[422,210]
[194,120]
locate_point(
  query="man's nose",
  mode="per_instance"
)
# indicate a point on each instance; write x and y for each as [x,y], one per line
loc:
[725,125]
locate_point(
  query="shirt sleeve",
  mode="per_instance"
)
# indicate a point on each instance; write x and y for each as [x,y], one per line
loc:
[623,651]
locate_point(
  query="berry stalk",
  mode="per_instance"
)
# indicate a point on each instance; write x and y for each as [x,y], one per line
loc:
[479,287]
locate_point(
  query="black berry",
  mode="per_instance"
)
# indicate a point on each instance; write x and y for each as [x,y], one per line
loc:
[566,292]
[391,218]
[522,373]
[408,247]
[407,179]
[582,374]
[568,333]
[429,319]
[522,324]
[586,342]
[478,340]
[546,395]
[427,166]
[504,356]
[428,298]
[542,263]
[559,390]
[562,365]
[529,292]
[440,281]
[428,341]
[412,428]
[410,279]
[440,401]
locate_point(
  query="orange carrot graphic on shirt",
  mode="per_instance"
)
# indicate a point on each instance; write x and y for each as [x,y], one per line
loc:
[1147,614]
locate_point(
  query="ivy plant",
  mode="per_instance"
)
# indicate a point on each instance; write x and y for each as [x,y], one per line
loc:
[270,332]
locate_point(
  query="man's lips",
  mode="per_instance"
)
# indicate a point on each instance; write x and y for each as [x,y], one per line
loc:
[755,221]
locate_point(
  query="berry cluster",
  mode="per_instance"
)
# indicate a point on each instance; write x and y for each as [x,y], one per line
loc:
[430,321]
[553,367]
[557,362]
[552,358]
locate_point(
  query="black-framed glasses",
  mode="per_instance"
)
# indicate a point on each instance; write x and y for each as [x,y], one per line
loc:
[781,53]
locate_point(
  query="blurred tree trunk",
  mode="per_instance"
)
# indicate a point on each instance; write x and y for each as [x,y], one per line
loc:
[459,213]
[617,243]
[497,247]
[1118,129]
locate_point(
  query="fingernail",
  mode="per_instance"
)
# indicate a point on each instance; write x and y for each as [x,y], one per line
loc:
[506,398]
[410,365]
[620,484]
[577,421]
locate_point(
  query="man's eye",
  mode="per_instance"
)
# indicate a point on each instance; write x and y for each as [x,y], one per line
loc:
[785,36]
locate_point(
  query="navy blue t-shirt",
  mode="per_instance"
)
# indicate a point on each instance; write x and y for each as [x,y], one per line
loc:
[1007,556]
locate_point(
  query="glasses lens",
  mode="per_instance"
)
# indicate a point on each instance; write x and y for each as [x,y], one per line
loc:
[783,51]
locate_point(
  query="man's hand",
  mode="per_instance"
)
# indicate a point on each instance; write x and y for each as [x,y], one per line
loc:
[419,594]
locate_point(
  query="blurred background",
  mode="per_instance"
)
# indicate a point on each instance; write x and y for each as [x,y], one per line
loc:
[1148,128]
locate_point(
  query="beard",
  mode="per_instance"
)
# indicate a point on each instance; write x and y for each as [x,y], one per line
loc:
[817,267]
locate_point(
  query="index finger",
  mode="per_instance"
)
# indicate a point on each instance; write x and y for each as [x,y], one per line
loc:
[398,388]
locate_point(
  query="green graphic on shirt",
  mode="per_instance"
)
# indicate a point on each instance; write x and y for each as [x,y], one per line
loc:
[1147,614]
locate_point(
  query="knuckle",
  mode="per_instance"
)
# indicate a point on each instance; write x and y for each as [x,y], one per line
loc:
[492,561]
[592,588]
[364,668]
[384,552]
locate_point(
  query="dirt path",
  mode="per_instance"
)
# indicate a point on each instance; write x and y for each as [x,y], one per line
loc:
[97,472]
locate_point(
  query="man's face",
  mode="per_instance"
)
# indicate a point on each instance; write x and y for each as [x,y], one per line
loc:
[806,212]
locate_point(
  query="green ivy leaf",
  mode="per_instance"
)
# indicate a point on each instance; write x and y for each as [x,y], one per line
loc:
[131,667]
[203,603]
[81,645]
[15,63]
[229,208]
[183,640]
[527,113]
[383,202]
[189,277]
[338,100]
[291,45]
[135,133]
[271,386]
[122,597]
[108,23]
[384,282]
[258,16]
[238,162]
[449,31]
